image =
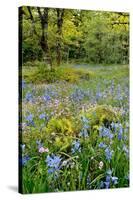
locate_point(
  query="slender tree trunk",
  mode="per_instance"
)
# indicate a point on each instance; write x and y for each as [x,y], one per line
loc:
[44,35]
[60,15]
[43,39]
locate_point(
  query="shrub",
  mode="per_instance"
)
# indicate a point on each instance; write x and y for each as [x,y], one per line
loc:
[42,74]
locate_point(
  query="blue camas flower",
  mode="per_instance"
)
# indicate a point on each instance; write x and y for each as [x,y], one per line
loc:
[85,120]
[78,95]
[102,145]
[86,126]
[114,125]
[29,97]
[120,133]
[24,160]
[119,94]
[38,142]
[108,153]
[118,129]
[46,98]
[105,132]
[53,163]
[76,146]
[107,185]
[42,116]
[29,119]
[107,182]
[83,133]
[110,179]
[112,87]
[23,84]
[98,94]
[125,149]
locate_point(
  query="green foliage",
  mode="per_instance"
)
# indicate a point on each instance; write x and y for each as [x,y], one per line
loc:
[31,52]
[105,43]
[92,36]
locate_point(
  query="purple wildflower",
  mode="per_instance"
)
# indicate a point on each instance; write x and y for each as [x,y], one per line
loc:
[108,153]
[76,146]
[24,160]
[102,145]
[29,96]
[46,98]
[42,116]
[53,163]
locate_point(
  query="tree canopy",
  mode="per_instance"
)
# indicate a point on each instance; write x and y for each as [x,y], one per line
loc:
[63,35]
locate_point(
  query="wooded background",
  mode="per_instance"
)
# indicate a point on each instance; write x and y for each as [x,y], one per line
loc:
[58,36]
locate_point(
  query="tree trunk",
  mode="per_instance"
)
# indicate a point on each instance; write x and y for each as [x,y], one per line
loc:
[60,15]
[43,39]
[44,35]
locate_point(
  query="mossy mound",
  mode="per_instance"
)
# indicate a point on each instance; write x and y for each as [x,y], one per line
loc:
[60,126]
[60,132]
[101,115]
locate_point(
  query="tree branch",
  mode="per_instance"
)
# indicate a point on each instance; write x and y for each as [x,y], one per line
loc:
[33,21]
[39,12]
[120,23]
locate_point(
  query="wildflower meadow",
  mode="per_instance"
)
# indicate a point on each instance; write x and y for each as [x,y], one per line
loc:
[76,136]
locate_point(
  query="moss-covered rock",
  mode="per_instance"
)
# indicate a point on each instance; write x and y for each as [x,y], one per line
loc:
[60,126]
[101,114]
[60,132]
